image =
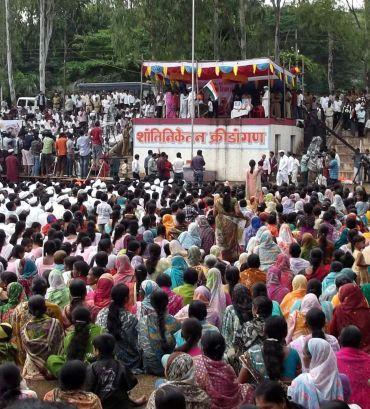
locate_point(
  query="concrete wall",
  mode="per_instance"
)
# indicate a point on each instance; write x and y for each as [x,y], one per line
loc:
[227,145]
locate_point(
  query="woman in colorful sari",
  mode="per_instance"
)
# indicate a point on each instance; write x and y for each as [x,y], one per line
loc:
[253,186]
[299,285]
[252,274]
[285,238]
[203,294]
[125,275]
[190,237]
[71,388]
[275,289]
[101,298]
[77,343]
[228,216]
[26,271]
[168,223]
[206,233]
[316,321]
[122,324]
[156,334]
[176,271]
[175,301]
[195,261]
[297,323]
[322,381]
[353,310]
[273,359]
[42,336]
[308,243]
[58,292]
[216,377]
[144,307]
[267,250]
[8,351]
[219,299]
[15,296]
[355,364]
[180,373]
[236,314]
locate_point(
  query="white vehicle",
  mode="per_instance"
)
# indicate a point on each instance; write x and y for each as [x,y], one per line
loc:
[27,102]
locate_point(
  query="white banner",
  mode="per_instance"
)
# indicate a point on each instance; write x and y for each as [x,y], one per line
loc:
[11,126]
[243,137]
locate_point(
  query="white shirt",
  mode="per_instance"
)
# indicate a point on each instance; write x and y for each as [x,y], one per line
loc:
[295,165]
[337,106]
[178,165]
[103,210]
[283,164]
[135,166]
[299,100]
[290,164]
[337,159]
[266,166]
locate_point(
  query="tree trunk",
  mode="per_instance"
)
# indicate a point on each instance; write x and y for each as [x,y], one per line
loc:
[243,32]
[367,45]
[277,8]
[9,54]
[216,30]
[330,61]
[46,30]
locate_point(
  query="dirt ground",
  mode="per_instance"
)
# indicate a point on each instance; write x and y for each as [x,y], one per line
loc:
[144,387]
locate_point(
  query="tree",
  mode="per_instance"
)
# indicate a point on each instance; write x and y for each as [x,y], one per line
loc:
[277,6]
[243,31]
[47,14]
[9,57]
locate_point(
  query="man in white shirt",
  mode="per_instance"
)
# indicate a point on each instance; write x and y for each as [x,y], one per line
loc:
[178,168]
[295,168]
[300,100]
[337,108]
[266,168]
[266,101]
[136,167]
[103,210]
[290,163]
[282,174]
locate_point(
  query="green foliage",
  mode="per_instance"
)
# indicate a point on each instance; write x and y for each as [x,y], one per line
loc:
[106,40]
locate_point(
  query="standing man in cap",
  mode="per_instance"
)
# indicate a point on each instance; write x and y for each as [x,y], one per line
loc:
[197,164]
[283,173]
[12,167]
[266,101]
[146,161]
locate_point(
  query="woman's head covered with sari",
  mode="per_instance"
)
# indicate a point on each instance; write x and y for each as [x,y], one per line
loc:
[176,249]
[308,243]
[15,295]
[323,370]
[299,285]
[275,290]
[57,292]
[148,287]
[123,266]
[214,283]
[194,256]
[103,290]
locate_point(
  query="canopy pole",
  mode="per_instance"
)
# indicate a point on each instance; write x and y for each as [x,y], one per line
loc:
[197,87]
[268,84]
[141,85]
[284,91]
[192,107]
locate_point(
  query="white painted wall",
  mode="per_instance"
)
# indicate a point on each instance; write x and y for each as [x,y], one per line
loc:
[229,160]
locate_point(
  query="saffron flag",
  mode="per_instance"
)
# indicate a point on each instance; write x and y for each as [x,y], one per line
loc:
[211,87]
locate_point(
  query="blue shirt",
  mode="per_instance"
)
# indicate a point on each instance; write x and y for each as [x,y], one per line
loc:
[333,169]
[83,144]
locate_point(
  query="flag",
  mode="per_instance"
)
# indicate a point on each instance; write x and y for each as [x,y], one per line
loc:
[211,87]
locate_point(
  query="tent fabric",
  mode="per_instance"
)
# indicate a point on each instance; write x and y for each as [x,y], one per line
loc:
[257,69]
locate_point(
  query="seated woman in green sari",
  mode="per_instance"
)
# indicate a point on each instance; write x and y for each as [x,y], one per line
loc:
[77,343]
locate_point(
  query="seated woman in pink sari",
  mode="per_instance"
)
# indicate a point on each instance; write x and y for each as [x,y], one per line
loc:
[125,275]
[355,364]
[216,377]
[275,288]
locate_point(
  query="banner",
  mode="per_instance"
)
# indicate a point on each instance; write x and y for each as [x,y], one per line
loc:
[243,137]
[10,126]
